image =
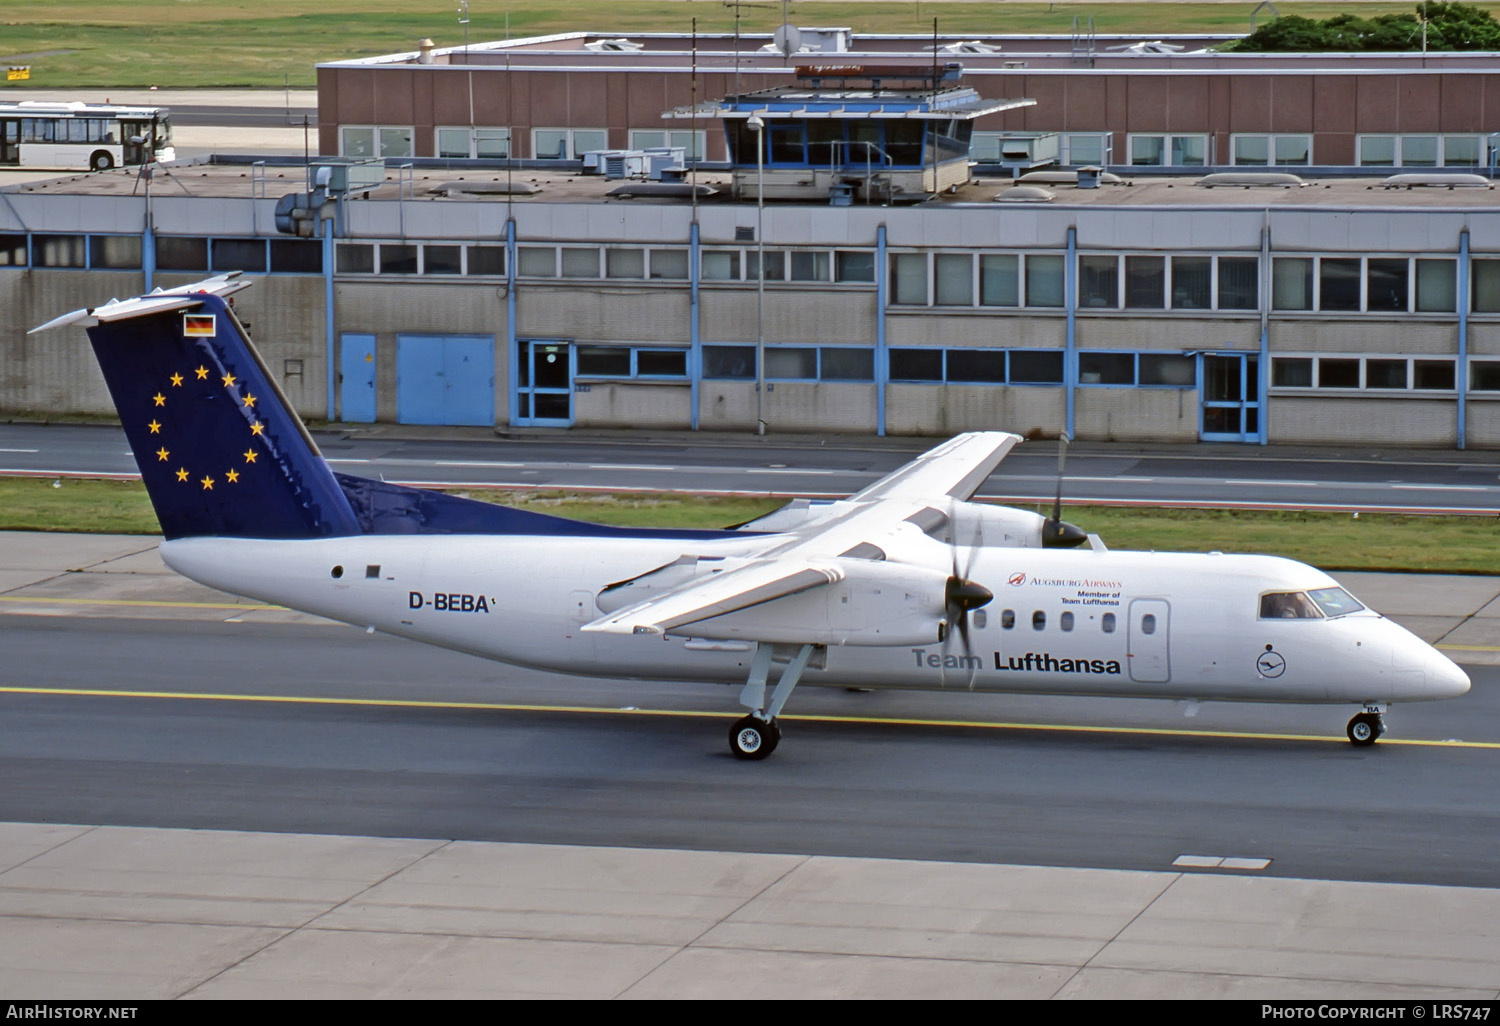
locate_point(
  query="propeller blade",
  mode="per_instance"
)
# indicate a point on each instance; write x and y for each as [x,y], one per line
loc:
[1056,532]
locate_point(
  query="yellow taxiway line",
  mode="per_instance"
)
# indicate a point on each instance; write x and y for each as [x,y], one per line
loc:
[400,703]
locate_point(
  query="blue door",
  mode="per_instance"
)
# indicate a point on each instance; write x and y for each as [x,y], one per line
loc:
[1230,390]
[445,379]
[357,378]
[544,384]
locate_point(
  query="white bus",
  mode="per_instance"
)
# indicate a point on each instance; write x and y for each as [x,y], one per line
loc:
[97,136]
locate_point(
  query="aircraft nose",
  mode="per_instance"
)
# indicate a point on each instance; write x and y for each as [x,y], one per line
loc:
[1444,678]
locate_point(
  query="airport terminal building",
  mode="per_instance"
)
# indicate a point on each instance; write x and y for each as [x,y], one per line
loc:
[1163,303]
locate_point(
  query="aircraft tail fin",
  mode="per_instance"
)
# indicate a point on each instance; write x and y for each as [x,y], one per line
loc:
[220,449]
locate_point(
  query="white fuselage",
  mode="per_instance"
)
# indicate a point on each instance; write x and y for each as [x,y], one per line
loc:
[1062,621]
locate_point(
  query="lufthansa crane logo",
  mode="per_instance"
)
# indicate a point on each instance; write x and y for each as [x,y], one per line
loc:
[1270,664]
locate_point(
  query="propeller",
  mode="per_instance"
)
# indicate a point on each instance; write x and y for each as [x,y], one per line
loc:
[960,595]
[1056,532]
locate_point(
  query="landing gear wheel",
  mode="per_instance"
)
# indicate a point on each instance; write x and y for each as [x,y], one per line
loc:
[750,738]
[1365,729]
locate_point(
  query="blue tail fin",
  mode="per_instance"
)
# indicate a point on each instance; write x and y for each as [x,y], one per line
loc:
[220,450]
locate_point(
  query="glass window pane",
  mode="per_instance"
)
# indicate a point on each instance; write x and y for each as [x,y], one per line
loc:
[604,361]
[1192,283]
[67,250]
[453,142]
[1168,369]
[1432,374]
[12,250]
[1484,375]
[1291,372]
[954,279]
[999,279]
[721,265]
[492,143]
[661,363]
[1106,368]
[588,139]
[1239,283]
[580,263]
[1419,151]
[1039,621]
[109,251]
[981,366]
[1291,282]
[844,364]
[1145,282]
[1461,150]
[1147,149]
[916,364]
[1036,367]
[729,361]
[1098,282]
[1085,149]
[1044,280]
[1386,284]
[796,362]
[669,264]
[1486,286]
[625,263]
[442,259]
[1377,150]
[396,258]
[1294,149]
[396,142]
[1338,373]
[179,253]
[1251,149]
[775,264]
[487,260]
[296,256]
[239,255]
[550,143]
[854,265]
[357,142]
[351,257]
[815,266]
[536,261]
[1437,285]
[1189,150]
[1338,283]
[909,278]
[1385,373]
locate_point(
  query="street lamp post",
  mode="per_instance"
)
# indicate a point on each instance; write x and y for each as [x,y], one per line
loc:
[758,126]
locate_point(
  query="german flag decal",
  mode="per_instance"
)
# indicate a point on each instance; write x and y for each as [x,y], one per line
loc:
[199,325]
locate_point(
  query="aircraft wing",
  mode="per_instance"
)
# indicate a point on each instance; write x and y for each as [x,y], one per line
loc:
[954,470]
[718,594]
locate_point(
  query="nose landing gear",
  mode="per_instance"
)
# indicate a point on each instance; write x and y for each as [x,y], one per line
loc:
[1366,727]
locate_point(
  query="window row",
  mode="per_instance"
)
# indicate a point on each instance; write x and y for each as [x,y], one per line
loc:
[173,253]
[631,362]
[1420,150]
[1390,284]
[434,258]
[461,141]
[1065,621]
[1393,372]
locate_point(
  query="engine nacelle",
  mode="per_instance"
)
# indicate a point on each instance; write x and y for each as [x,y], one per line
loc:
[982,525]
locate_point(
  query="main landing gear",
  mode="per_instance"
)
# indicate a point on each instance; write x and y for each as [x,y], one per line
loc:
[1366,727]
[757,735]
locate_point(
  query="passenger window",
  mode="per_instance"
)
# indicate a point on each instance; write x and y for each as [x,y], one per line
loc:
[1038,620]
[1288,605]
[1007,618]
[1066,621]
[980,619]
[1148,624]
[1108,623]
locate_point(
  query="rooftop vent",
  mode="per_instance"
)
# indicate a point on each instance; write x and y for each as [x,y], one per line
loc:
[1025,194]
[1066,178]
[966,46]
[1436,180]
[1251,180]
[614,46]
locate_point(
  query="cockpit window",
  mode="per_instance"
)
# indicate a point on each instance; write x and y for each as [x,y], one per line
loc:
[1335,601]
[1288,605]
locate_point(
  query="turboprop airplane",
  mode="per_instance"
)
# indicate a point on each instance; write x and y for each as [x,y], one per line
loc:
[906,584]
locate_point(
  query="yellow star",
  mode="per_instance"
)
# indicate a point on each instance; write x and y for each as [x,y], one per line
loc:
[228,380]
[202,373]
[257,428]
[159,399]
[155,427]
[162,454]
[249,455]
[232,475]
[176,380]
[249,399]
[208,484]
[182,474]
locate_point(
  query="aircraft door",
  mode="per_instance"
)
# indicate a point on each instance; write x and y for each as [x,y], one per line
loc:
[1150,620]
